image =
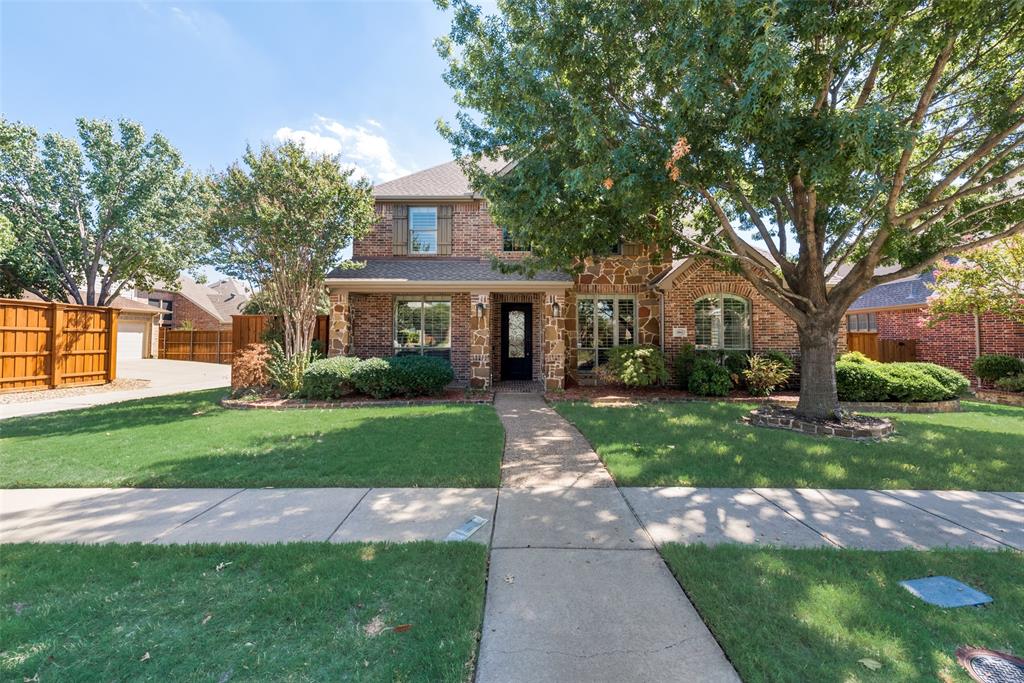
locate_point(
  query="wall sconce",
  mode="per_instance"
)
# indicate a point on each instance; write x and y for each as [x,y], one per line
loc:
[480,310]
[556,310]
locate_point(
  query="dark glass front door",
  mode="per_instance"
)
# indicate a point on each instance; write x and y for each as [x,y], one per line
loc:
[517,341]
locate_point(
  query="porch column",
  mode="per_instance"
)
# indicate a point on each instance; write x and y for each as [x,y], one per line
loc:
[479,340]
[554,341]
[341,324]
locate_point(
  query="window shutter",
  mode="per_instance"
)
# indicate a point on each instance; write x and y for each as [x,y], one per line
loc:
[444,230]
[400,229]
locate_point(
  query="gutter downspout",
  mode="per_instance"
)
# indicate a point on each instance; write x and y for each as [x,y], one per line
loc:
[977,340]
[661,317]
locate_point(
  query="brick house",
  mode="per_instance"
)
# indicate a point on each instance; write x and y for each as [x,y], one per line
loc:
[206,307]
[896,311]
[428,287]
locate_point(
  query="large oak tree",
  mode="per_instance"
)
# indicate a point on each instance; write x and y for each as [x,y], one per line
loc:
[92,219]
[841,137]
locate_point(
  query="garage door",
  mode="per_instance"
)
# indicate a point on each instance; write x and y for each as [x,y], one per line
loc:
[130,336]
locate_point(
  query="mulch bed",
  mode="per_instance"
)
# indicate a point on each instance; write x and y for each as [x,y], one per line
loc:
[848,425]
[269,402]
[611,395]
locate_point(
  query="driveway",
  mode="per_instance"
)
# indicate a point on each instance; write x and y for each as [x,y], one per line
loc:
[165,377]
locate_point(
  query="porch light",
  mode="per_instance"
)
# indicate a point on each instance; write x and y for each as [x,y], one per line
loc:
[480,310]
[556,310]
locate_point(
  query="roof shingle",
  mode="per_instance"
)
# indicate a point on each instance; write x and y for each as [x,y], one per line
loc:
[446,180]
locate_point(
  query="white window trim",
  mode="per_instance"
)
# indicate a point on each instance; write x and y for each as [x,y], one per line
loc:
[615,327]
[718,322]
[420,348]
[412,241]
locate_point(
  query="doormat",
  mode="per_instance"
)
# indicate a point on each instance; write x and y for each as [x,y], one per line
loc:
[945,592]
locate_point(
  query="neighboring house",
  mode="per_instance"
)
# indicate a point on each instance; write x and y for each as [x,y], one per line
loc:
[896,310]
[206,307]
[138,326]
[428,287]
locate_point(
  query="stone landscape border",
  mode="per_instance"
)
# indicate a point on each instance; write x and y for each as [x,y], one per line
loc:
[951,406]
[880,429]
[1003,398]
[301,404]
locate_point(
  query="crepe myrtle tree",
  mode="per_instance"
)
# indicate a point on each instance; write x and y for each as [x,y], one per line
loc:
[280,220]
[986,280]
[842,136]
[116,211]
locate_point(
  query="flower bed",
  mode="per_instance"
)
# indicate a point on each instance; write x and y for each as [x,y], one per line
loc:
[849,427]
[273,402]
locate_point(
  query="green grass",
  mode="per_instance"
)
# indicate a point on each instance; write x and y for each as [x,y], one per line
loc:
[705,444]
[190,440]
[235,612]
[811,615]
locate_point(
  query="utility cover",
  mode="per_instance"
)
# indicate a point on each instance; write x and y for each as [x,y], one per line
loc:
[467,529]
[945,592]
[991,666]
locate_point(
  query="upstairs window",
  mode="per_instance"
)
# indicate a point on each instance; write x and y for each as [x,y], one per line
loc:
[423,229]
[167,305]
[861,322]
[722,321]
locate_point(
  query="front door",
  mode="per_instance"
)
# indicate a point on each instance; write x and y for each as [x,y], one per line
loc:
[517,341]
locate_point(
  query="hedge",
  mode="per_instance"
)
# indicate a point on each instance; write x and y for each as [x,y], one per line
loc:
[328,378]
[636,366]
[994,366]
[402,376]
[908,382]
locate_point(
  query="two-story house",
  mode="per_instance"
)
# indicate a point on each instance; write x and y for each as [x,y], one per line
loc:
[428,287]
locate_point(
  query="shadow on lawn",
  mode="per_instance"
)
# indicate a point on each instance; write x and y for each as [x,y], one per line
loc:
[795,615]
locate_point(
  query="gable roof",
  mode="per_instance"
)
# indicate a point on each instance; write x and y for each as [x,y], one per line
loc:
[221,300]
[123,303]
[445,181]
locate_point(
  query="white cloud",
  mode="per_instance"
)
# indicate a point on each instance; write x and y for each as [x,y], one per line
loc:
[368,153]
[375,123]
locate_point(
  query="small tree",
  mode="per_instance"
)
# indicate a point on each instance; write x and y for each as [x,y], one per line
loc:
[986,280]
[843,135]
[281,221]
[92,219]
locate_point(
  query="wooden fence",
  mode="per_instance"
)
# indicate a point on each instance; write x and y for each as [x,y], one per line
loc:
[47,345]
[203,346]
[884,350]
[249,329]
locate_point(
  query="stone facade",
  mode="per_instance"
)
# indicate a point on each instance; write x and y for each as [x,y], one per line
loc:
[556,341]
[480,341]
[341,324]
[952,342]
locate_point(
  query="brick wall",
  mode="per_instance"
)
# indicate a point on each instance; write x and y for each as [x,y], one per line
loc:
[474,234]
[952,342]
[184,309]
[372,320]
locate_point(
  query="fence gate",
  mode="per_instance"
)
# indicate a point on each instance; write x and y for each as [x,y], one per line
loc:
[203,346]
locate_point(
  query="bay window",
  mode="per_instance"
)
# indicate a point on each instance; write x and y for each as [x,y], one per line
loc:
[602,322]
[722,321]
[423,325]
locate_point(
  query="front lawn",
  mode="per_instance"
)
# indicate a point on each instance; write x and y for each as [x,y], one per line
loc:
[813,614]
[190,440]
[705,444]
[239,612]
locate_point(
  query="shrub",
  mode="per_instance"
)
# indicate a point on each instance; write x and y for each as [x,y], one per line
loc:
[735,362]
[249,368]
[1011,383]
[285,372]
[709,379]
[375,377]
[764,375]
[856,381]
[780,357]
[636,366]
[951,380]
[854,357]
[683,364]
[328,378]
[911,382]
[993,366]
[908,382]
[421,375]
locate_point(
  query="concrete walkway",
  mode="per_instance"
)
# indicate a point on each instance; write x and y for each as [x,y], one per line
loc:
[165,377]
[576,590]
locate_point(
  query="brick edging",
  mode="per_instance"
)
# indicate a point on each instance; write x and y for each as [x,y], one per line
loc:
[952,406]
[298,404]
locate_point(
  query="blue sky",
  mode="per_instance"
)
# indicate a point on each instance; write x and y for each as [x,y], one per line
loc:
[360,79]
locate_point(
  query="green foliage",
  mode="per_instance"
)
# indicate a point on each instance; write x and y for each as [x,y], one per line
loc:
[636,366]
[986,280]
[765,374]
[683,365]
[285,372]
[115,212]
[993,366]
[281,221]
[779,357]
[854,357]
[910,382]
[328,378]
[708,378]
[1011,383]
[375,377]
[421,375]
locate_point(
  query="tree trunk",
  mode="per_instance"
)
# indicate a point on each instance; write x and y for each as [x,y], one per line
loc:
[818,397]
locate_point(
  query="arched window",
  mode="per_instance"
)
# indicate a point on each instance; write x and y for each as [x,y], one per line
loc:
[722,322]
